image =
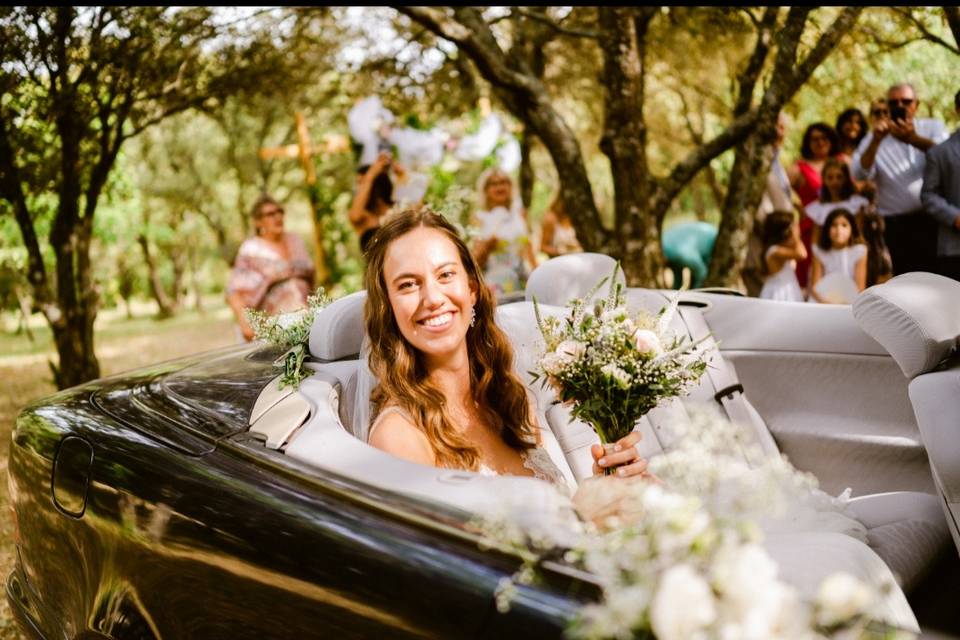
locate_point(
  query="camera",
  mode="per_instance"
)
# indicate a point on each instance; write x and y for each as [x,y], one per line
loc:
[898,113]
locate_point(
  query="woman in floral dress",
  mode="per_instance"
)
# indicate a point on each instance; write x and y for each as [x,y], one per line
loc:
[272,272]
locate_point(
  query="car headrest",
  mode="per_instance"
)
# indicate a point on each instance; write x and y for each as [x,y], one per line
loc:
[915,317]
[559,280]
[338,329]
[519,322]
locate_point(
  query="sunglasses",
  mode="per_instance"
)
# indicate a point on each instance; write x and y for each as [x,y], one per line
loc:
[271,212]
[903,102]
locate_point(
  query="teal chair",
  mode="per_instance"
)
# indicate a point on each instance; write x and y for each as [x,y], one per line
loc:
[690,245]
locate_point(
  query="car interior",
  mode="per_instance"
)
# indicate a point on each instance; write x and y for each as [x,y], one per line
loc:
[866,399]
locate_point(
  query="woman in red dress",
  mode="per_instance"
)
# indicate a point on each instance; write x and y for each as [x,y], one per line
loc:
[819,144]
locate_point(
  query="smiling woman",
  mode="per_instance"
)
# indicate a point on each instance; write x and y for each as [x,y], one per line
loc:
[447,396]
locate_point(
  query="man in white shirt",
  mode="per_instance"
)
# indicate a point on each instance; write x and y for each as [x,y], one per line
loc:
[893,155]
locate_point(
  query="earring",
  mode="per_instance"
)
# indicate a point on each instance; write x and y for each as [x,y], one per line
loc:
[473,316]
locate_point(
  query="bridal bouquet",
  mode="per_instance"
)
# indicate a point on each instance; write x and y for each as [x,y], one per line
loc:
[614,365]
[289,331]
[686,559]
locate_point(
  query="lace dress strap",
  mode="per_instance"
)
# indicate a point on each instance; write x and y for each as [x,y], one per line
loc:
[539,461]
[387,410]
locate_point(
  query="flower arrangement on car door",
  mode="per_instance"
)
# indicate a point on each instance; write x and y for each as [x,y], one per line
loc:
[614,365]
[289,331]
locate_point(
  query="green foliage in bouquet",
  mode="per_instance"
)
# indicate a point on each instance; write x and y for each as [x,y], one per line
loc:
[613,365]
[291,332]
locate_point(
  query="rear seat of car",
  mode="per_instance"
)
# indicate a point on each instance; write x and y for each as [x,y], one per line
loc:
[906,528]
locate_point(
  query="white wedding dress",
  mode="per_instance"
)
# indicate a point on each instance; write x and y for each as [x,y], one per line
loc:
[536,459]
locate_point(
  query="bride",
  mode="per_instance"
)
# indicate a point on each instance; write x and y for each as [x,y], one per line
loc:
[447,395]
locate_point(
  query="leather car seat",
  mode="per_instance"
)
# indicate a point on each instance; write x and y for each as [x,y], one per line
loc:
[916,317]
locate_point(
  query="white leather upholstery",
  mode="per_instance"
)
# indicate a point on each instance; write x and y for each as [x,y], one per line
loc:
[566,277]
[906,529]
[915,316]
[890,518]
[338,329]
[936,401]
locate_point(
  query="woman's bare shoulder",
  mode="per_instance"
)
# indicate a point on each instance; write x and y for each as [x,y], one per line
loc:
[395,433]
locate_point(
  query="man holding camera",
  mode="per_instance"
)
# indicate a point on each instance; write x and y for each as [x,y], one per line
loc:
[893,155]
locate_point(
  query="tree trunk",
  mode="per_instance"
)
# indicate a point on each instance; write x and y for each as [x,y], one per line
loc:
[564,150]
[952,14]
[526,170]
[74,341]
[624,143]
[752,159]
[165,305]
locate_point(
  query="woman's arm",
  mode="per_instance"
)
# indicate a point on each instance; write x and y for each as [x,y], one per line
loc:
[795,176]
[815,275]
[482,248]
[860,272]
[235,300]
[360,218]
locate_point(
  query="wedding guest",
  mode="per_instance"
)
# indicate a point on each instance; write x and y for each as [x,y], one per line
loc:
[446,394]
[941,199]
[893,155]
[272,271]
[373,198]
[819,144]
[783,247]
[879,264]
[837,192]
[851,129]
[502,248]
[879,112]
[557,235]
[777,196]
[839,260]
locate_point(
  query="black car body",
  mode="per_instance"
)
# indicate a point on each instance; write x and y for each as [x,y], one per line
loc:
[145,510]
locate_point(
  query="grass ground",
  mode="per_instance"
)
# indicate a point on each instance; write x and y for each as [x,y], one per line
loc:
[122,344]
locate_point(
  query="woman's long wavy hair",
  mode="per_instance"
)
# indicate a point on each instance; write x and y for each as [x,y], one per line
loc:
[402,372]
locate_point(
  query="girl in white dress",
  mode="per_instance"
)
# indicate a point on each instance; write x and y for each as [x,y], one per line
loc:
[839,260]
[838,192]
[782,248]
[446,393]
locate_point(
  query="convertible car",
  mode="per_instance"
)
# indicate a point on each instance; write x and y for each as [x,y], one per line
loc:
[196,499]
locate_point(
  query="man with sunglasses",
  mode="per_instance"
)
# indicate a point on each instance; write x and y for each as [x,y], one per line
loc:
[893,155]
[941,199]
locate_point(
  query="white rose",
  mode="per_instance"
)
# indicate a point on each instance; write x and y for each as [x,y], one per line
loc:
[841,597]
[571,348]
[647,342]
[553,363]
[566,353]
[683,604]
